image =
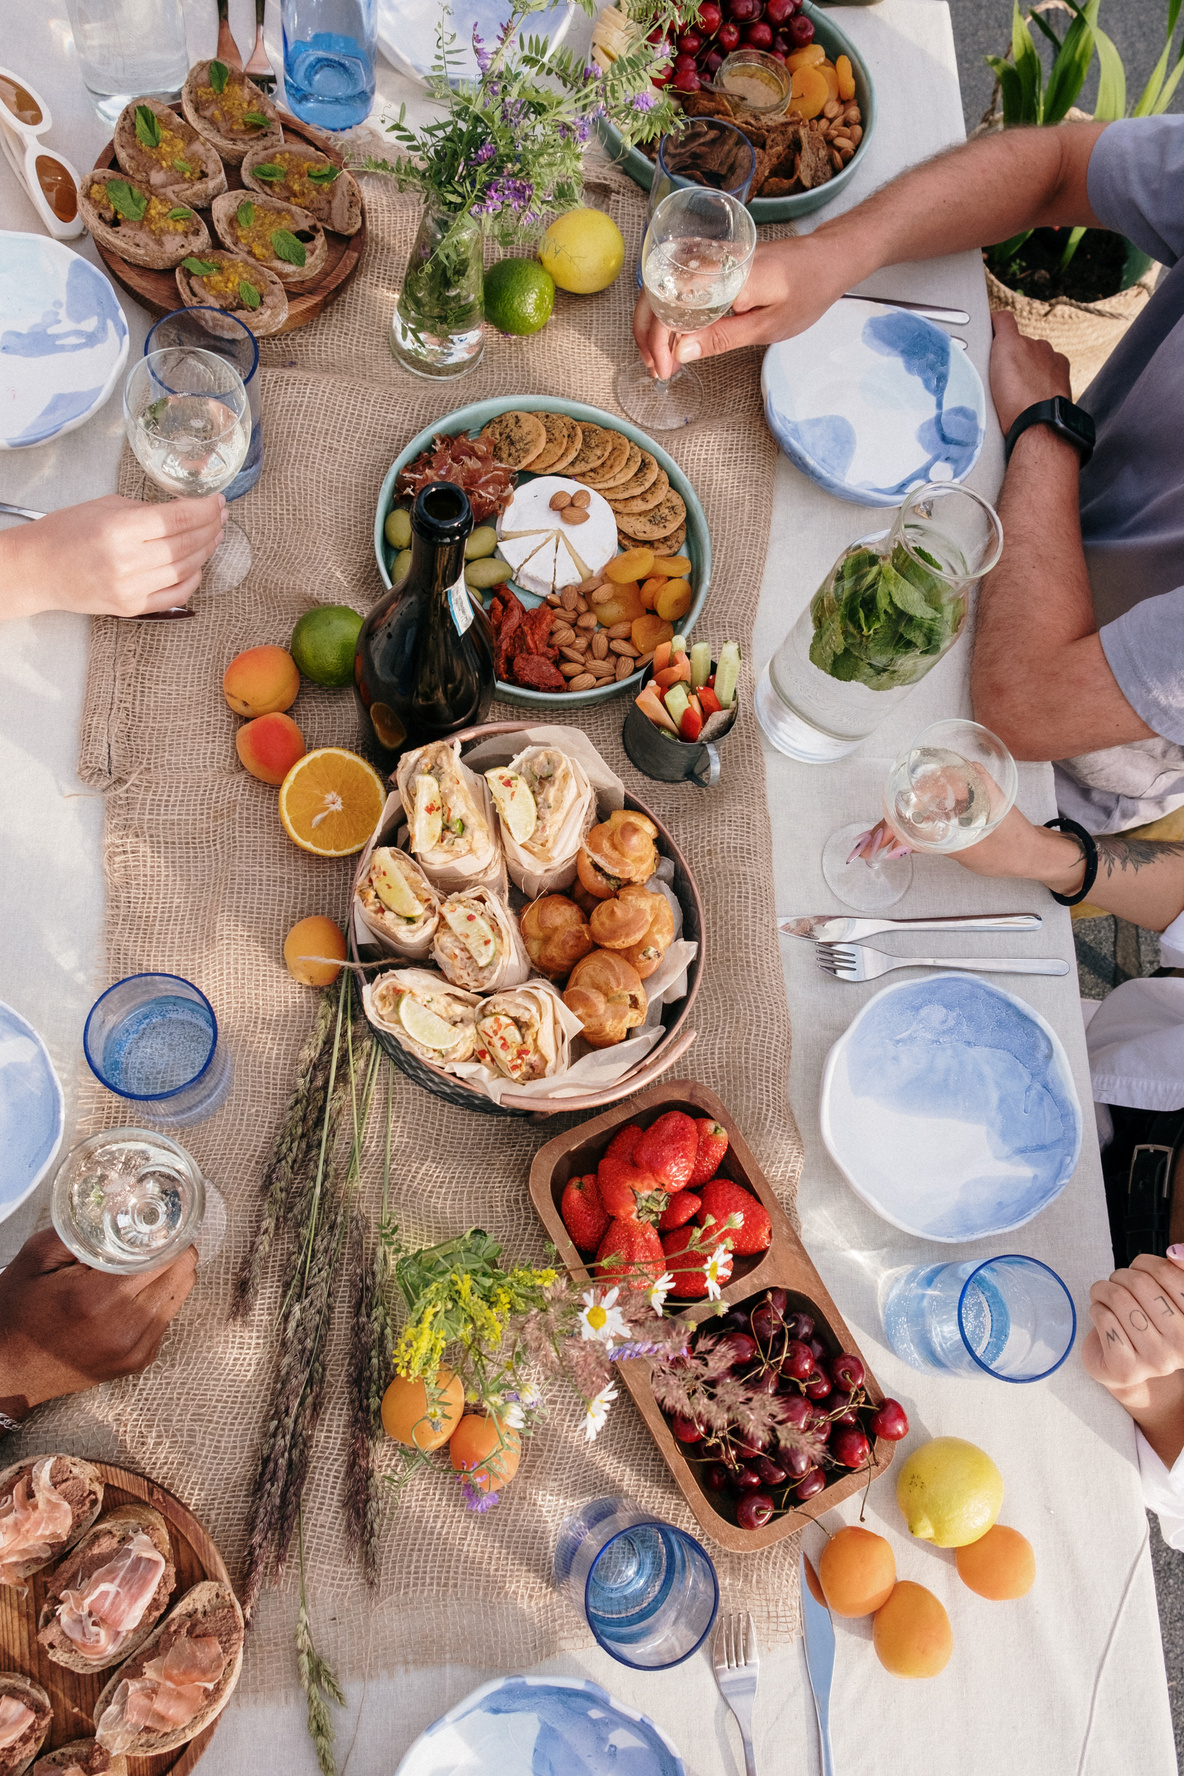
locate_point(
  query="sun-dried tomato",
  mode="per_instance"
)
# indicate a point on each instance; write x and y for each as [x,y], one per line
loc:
[534,673]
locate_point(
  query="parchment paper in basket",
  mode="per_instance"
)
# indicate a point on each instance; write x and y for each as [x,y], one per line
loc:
[605,792]
[416,945]
[470,871]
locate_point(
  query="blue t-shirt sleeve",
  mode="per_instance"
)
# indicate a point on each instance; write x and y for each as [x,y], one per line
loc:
[1145,651]
[1136,183]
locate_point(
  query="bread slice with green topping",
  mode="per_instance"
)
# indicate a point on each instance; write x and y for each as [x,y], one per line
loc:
[301,174]
[244,288]
[128,219]
[279,236]
[165,155]
[230,111]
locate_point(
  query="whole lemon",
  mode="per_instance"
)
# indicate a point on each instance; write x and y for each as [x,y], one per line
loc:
[324,642]
[950,1492]
[519,296]
[583,250]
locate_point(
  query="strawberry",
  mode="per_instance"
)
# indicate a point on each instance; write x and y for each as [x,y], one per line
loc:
[682,1207]
[630,1253]
[627,1191]
[687,1266]
[623,1142]
[668,1148]
[583,1212]
[722,1198]
[713,1144]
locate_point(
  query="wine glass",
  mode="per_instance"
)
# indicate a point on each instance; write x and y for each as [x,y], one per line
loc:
[945,792]
[695,259]
[188,420]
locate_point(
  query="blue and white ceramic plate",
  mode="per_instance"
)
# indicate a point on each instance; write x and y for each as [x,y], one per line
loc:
[31,1110]
[871,401]
[949,1106]
[542,1726]
[63,340]
[407,32]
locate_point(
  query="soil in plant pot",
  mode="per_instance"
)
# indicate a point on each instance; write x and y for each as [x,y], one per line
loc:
[1095,271]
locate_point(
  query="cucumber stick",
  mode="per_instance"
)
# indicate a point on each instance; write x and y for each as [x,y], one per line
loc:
[700,664]
[727,674]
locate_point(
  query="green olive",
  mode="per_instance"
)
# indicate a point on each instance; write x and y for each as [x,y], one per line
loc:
[397,528]
[482,541]
[401,563]
[483,574]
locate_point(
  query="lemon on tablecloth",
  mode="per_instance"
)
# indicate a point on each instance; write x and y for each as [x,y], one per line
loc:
[950,1492]
[519,296]
[330,801]
[583,250]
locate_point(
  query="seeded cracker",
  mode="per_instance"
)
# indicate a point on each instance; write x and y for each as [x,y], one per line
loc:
[594,450]
[558,428]
[516,437]
[655,526]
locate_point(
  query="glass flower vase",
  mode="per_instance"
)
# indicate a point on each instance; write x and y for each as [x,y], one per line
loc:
[438,327]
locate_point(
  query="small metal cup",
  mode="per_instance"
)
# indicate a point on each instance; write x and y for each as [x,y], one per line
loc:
[659,755]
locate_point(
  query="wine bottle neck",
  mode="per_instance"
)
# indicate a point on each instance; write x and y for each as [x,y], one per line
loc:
[436,566]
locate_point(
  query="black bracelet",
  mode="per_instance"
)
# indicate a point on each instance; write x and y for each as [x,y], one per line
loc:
[1089,851]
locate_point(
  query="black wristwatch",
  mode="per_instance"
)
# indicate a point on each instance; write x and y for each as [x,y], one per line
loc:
[1066,419]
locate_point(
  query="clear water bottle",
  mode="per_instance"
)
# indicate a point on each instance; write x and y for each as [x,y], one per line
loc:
[329,51]
[129,49]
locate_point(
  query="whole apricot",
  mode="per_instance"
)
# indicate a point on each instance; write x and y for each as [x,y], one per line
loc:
[857,1570]
[261,681]
[305,947]
[486,1450]
[1000,1565]
[269,746]
[410,1416]
[911,1632]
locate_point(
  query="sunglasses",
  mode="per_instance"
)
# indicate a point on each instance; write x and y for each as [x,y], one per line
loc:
[49,179]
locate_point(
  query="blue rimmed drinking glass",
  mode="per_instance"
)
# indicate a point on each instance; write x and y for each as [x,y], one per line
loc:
[647,1590]
[1010,1317]
[153,1039]
[214,330]
[672,149]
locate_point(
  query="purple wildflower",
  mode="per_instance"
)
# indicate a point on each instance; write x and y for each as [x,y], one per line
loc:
[643,101]
[484,58]
[478,1501]
[485,152]
[640,1348]
[591,71]
[583,129]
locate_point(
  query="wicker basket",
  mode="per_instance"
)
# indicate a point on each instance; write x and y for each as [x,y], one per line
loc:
[669,1048]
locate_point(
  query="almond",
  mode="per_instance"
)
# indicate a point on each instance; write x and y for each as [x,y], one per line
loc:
[569,598]
[624,667]
[559,500]
[620,631]
[625,648]
[600,645]
[573,669]
[601,595]
[588,621]
[574,515]
[583,498]
[585,682]
[576,655]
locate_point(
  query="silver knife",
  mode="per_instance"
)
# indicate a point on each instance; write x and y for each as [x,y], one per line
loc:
[928,311]
[161,616]
[820,1655]
[834,928]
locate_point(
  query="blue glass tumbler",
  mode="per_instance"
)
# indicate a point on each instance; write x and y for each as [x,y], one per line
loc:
[213,330]
[648,1591]
[1010,1317]
[153,1039]
[329,52]
[667,177]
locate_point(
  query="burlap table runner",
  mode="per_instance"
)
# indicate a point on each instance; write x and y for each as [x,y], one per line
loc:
[203,882]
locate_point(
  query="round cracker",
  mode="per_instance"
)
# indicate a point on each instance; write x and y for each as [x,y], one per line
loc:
[673,544]
[611,467]
[655,526]
[641,502]
[558,428]
[597,442]
[641,481]
[602,483]
[562,467]
[517,438]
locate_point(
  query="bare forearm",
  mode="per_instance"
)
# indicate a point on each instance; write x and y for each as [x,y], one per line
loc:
[23,591]
[1138,879]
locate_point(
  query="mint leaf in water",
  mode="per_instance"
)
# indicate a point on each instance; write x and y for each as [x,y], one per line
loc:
[147,127]
[202,268]
[268,171]
[882,622]
[323,175]
[219,75]
[246,214]
[179,215]
[249,293]
[126,201]
[285,246]
[256,119]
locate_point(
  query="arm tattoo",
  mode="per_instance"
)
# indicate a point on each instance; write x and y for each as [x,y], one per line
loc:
[1116,852]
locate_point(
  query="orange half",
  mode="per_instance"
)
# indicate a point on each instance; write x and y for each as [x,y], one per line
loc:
[330,802]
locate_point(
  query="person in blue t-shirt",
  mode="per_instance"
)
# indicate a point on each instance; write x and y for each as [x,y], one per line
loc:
[1079,646]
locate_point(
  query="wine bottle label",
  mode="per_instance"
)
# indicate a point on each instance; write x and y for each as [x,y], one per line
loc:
[461,605]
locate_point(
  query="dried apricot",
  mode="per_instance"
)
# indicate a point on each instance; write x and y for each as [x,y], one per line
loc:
[805,58]
[846,74]
[634,564]
[674,600]
[649,592]
[648,631]
[831,78]
[810,92]
[674,567]
[624,606]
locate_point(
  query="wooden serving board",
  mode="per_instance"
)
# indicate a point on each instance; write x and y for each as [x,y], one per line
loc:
[157,291]
[74,1694]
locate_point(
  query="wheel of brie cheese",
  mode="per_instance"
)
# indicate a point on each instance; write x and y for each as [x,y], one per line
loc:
[547,552]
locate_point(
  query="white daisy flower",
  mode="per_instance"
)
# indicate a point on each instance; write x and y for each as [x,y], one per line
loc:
[598,1412]
[512,1415]
[601,1319]
[659,1290]
[715,1273]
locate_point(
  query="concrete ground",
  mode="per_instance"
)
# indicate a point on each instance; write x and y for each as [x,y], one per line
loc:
[983,27]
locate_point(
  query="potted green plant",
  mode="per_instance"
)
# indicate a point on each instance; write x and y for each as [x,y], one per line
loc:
[1078,288]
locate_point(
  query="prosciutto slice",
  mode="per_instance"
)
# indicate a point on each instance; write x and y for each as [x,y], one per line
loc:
[167,1695]
[16,1717]
[99,1618]
[34,1522]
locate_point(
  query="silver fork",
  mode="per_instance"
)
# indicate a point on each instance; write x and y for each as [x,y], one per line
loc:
[859,962]
[737,1663]
[259,68]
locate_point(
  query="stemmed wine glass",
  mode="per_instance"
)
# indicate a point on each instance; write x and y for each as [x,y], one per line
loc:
[695,259]
[946,791]
[188,420]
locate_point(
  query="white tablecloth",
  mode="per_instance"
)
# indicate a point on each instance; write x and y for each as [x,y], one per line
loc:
[1070,1681]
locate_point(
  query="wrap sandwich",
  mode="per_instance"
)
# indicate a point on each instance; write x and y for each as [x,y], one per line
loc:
[451,820]
[546,805]
[525,1034]
[478,944]
[398,905]
[426,1014]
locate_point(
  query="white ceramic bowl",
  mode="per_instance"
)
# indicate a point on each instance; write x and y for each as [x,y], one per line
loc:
[63,340]
[31,1110]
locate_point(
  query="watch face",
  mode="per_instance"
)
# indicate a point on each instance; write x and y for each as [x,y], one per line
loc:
[1075,421]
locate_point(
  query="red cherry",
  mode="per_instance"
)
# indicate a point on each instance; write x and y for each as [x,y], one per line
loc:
[812,1482]
[847,1372]
[708,18]
[745,12]
[778,55]
[690,43]
[800,1326]
[759,35]
[849,1446]
[684,64]
[686,1430]
[777,1299]
[771,1472]
[817,1348]
[754,1511]
[798,1361]
[889,1420]
[746,1448]
[796,1463]
[797,1412]
[711,64]
[717,1477]
[818,1386]
[778,11]
[728,37]
[801,30]
[744,1349]
[663,76]
[749,1480]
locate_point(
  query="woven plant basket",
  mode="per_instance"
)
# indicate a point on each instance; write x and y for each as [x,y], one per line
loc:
[1086,332]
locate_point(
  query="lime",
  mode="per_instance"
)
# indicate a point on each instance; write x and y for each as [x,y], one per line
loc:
[950,1492]
[583,251]
[392,888]
[519,296]
[474,932]
[514,802]
[324,642]
[424,1027]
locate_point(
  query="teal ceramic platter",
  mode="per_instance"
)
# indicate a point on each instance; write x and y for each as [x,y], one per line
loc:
[472,419]
[780,209]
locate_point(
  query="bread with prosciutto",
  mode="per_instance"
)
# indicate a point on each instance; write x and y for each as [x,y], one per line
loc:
[46,1504]
[25,1718]
[179,1680]
[111,1590]
[82,1757]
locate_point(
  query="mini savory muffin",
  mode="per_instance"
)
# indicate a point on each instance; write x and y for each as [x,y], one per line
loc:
[281,237]
[166,155]
[141,227]
[241,286]
[621,849]
[556,935]
[607,996]
[300,174]
[230,111]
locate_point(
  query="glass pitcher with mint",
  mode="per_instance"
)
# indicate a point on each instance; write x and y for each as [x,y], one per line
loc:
[889,609]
